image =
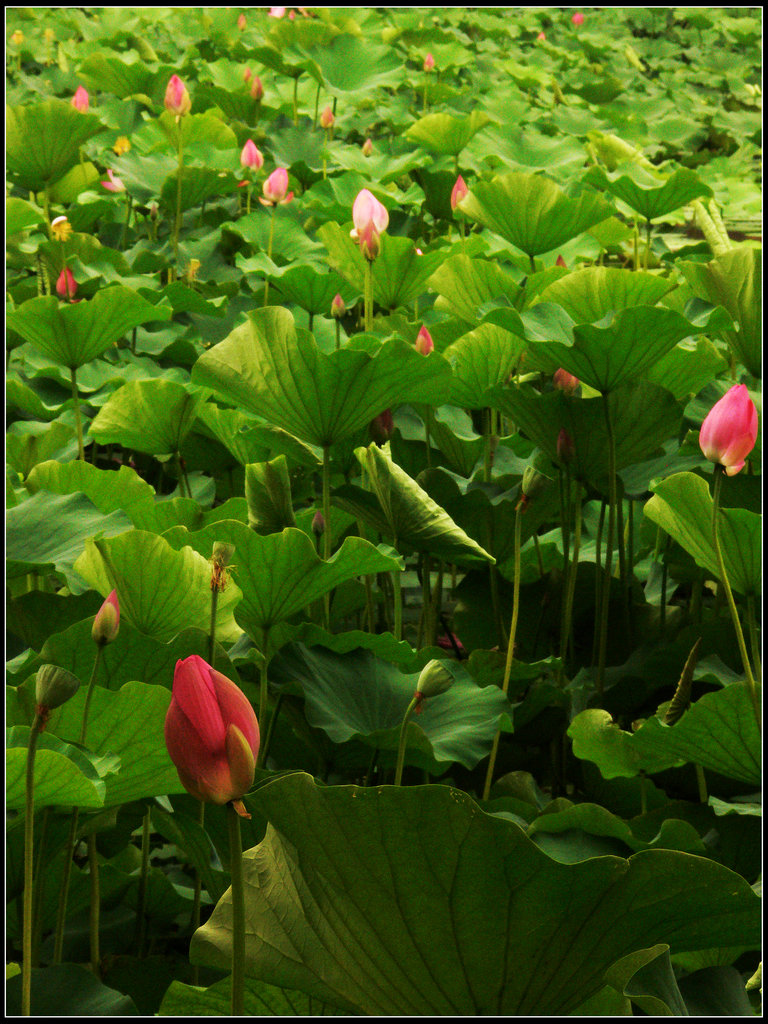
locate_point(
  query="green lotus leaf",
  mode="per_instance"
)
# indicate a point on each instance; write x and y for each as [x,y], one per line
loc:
[259,1000]
[152,416]
[43,141]
[590,294]
[72,335]
[532,212]
[687,368]
[464,283]
[309,289]
[65,775]
[643,194]
[198,184]
[462,915]
[445,134]
[682,506]
[161,591]
[480,360]
[122,75]
[69,990]
[27,444]
[20,216]
[348,65]
[268,492]
[270,368]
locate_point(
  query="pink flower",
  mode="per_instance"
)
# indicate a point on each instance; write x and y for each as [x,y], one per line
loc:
[429,62]
[370,218]
[80,100]
[367,147]
[459,191]
[66,286]
[382,427]
[247,75]
[565,381]
[540,37]
[211,733]
[418,251]
[177,99]
[251,157]
[257,89]
[424,343]
[729,432]
[338,307]
[107,621]
[277,12]
[560,262]
[114,184]
[275,188]
[241,22]
[326,118]
[578,18]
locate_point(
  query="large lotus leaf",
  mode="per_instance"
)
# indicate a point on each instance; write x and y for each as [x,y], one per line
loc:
[382,645]
[532,212]
[68,990]
[351,65]
[53,529]
[281,574]
[588,295]
[309,289]
[463,283]
[399,274]
[28,443]
[259,1000]
[456,912]
[719,731]
[252,442]
[445,134]
[43,140]
[451,430]
[161,591]
[152,416]
[643,415]
[124,75]
[64,775]
[733,280]
[268,493]
[687,368]
[268,367]
[290,239]
[74,334]
[198,184]
[682,506]
[408,515]
[643,194]
[20,216]
[359,696]
[109,491]
[620,349]
[480,360]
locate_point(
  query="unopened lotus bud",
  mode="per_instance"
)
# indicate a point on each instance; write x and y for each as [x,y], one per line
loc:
[241,22]
[257,89]
[565,381]
[565,446]
[154,211]
[251,156]
[434,679]
[54,686]
[247,75]
[459,191]
[424,343]
[80,100]
[382,427]
[578,19]
[275,188]
[318,524]
[66,286]
[367,147]
[429,62]
[533,482]
[540,37]
[107,621]
[560,262]
[326,118]
[338,309]
[177,99]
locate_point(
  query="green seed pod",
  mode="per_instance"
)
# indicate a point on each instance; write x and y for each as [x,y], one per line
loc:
[435,678]
[222,553]
[54,686]
[533,482]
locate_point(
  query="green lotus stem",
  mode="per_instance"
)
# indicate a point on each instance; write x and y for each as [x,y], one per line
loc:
[397,599]
[636,242]
[570,588]
[463,236]
[538,554]
[264,748]
[426,84]
[317,107]
[697,589]
[263,688]
[95,908]
[754,639]
[608,548]
[510,647]
[197,893]
[182,476]
[664,578]
[701,783]
[327,527]
[248,198]
[141,922]
[426,600]
[61,915]
[719,471]
[238,912]
[416,699]
[212,630]
[177,221]
[338,334]
[598,588]
[269,252]
[368,296]
[643,792]
[89,694]
[533,263]
[296,101]
[39,884]
[128,208]
[29,859]
[647,242]
[78,418]
[43,284]
[47,207]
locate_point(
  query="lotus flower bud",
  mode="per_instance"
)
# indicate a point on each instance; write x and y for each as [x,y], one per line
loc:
[80,101]
[251,157]
[318,524]
[382,427]
[54,686]
[66,286]
[241,22]
[459,191]
[367,147]
[540,37]
[729,432]
[338,309]
[565,446]
[370,218]
[107,621]
[276,12]
[560,262]
[424,343]
[578,19]
[565,381]
[177,99]
[275,188]
[211,733]
[429,62]
[247,75]
[434,679]
[257,89]
[327,119]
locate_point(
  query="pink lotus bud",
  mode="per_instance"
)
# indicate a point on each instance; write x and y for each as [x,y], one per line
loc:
[540,37]
[565,446]
[382,427]
[251,157]
[560,262]
[338,308]
[418,251]
[424,343]
[107,621]
[241,22]
[459,191]
[578,19]
[291,15]
[729,432]
[114,184]
[318,524]
[66,287]
[429,62]
[276,12]
[565,381]
[211,733]
[80,100]
[275,188]
[367,147]
[247,74]
[257,89]
[326,118]
[370,218]
[177,99]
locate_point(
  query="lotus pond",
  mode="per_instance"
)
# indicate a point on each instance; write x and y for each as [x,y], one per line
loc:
[383,530]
